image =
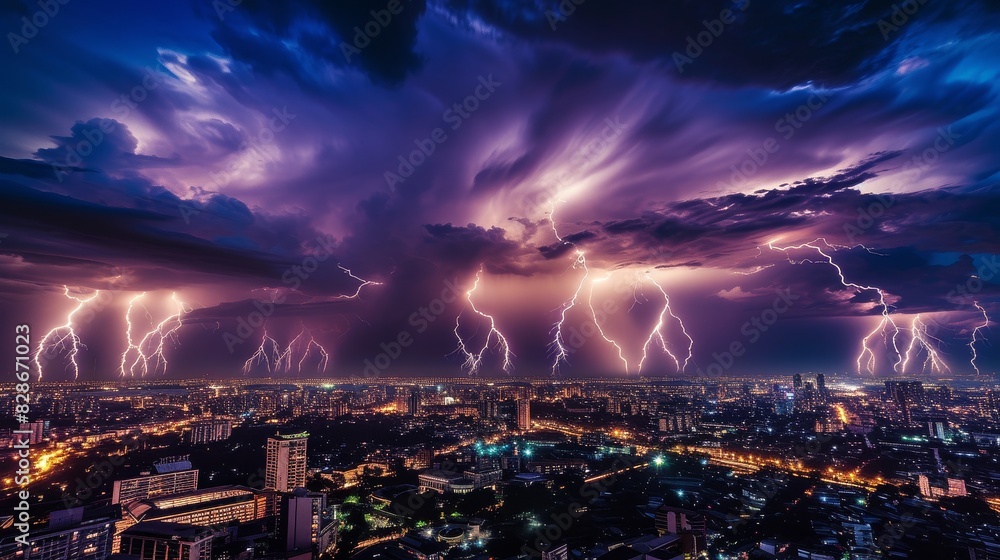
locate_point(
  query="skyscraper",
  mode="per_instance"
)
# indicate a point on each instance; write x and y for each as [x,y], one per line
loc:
[523,414]
[286,462]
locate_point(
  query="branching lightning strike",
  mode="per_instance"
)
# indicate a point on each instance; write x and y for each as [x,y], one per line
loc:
[474,360]
[558,344]
[920,338]
[657,332]
[866,357]
[64,338]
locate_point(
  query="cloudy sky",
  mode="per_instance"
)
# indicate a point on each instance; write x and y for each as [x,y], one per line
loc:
[421,187]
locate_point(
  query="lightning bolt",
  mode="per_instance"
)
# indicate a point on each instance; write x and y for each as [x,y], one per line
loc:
[64,338]
[473,360]
[657,332]
[300,344]
[153,346]
[975,333]
[593,312]
[866,355]
[267,353]
[921,338]
[360,286]
[130,342]
[558,344]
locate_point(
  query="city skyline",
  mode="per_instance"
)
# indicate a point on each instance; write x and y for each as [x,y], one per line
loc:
[502,189]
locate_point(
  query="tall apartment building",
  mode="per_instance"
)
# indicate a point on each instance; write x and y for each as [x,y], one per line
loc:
[523,414]
[285,469]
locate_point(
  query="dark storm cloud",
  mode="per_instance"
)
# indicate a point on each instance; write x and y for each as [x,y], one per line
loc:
[591,125]
[774,44]
[297,38]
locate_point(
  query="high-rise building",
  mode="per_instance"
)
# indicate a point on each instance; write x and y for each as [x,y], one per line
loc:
[285,469]
[523,414]
[797,381]
[821,385]
[413,402]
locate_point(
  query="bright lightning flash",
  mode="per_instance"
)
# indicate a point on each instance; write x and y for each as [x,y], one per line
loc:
[474,359]
[267,353]
[920,337]
[132,347]
[657,332]
[64,338]
[975,333]
[153,346]
[302,347]
[866,357]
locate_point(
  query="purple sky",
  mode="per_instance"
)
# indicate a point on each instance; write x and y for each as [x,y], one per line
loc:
[266,160]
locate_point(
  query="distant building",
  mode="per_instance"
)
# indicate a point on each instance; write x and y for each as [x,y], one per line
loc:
[209,431]
[954,488]
[158,540]
[560,552]
[451,482]
[523,415]
[173,475]
[679,422]
[38,429]
[691,526]
[285,469]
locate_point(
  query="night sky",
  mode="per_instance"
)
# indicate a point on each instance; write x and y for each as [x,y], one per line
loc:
[811,185]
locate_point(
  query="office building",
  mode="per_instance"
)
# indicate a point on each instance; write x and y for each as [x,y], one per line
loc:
[285,469]
[173,476]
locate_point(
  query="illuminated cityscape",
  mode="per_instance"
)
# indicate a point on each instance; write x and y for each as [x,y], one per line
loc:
[500,280]
[822,466]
